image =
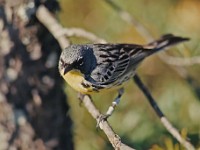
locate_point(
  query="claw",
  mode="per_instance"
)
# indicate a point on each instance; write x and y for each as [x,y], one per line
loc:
[101,118]
[80,97]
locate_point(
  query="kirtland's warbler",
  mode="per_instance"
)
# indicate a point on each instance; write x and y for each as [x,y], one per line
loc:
[96,67]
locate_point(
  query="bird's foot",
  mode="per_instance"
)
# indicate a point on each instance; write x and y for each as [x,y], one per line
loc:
[101,118]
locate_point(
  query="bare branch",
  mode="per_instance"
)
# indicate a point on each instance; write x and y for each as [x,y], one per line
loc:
[178,61]
[142,30]
[171,129]
[46,18]
[176,133]
[59,32]
[112,136]
[83,33]
[128,18]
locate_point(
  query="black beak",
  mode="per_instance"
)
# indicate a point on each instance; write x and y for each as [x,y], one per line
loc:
[67,68]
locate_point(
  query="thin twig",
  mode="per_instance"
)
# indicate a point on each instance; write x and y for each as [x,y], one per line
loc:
[178,61]
[45,17]
[59,32]
[83,33]
[171,129]
[142,30]
[128,18]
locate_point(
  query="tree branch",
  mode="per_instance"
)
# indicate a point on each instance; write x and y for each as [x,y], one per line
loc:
[46,18]
[141,29]
[130,19]
[178,61]
[171,129]
[104,125]
[78,32]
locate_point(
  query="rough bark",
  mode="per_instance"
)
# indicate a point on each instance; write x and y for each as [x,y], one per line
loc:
[33,108]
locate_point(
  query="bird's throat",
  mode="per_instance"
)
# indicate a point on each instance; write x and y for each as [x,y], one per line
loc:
[74,78]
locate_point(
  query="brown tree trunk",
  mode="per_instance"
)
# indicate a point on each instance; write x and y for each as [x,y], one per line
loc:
[32,101]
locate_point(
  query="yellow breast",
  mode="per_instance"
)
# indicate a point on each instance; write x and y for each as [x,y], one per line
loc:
[74,78]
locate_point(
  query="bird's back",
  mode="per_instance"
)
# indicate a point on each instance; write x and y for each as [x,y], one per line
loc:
[116,63]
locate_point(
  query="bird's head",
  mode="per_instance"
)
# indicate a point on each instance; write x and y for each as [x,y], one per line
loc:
[77,58]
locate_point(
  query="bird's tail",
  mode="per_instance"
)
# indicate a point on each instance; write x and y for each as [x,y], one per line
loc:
[164,42]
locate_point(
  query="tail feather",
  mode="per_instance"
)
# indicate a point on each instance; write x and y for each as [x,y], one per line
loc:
[164,42]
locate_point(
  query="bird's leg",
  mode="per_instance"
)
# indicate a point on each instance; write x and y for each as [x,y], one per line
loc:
[114,103]
[112,107]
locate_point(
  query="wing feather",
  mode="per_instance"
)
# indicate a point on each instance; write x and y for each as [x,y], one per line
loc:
[113,60]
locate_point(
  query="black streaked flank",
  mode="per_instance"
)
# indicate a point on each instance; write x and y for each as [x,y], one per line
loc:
[85,85]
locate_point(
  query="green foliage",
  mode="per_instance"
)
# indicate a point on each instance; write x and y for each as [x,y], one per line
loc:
[169,144]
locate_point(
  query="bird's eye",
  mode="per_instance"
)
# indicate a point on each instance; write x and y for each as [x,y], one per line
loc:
[80,61]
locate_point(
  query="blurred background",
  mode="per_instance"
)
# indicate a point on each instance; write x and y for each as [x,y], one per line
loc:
[176,88]
[38,110]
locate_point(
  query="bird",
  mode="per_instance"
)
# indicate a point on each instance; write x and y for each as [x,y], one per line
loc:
[93,68]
